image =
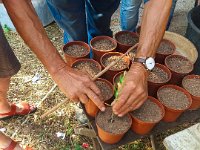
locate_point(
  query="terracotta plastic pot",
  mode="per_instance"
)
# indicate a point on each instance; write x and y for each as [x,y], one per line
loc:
[195,99]
[176,76]
[109,75]
[111,138]
[141,127]
[70,59]
[87,60]
[98,53]
[91,107]
[116,77]
[160,57]
[171,114]
[124,47]
[153,86]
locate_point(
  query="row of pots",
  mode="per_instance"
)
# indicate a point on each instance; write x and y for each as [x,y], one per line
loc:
[140,127]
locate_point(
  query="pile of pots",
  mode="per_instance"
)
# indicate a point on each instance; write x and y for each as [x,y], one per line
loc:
[172,89]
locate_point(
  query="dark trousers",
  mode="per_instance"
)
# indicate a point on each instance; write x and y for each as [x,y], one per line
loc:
[9,64]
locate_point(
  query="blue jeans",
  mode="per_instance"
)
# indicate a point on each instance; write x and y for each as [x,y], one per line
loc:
[82,20]
[129,14]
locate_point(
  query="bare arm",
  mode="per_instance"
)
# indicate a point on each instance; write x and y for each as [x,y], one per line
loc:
[75,85]
[134,91]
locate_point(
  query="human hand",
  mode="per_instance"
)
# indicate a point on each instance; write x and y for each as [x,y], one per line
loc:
[133,92]
[78,86]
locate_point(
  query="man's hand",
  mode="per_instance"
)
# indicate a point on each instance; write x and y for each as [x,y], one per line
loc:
[78,86]
[134,90]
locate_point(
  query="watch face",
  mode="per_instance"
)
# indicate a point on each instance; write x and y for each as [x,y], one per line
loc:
[150,63]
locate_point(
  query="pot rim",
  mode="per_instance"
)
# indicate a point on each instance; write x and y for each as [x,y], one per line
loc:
[179,89]
[114,54]
[121,72]
[129,32]
[110,84]
[103,37]
[159,104]
[191,76]
[182,57]
[86,60]
[76,43]
[130,121]
[165,69]
[169,42]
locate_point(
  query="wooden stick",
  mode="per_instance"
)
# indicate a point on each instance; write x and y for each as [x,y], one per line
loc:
[96,77]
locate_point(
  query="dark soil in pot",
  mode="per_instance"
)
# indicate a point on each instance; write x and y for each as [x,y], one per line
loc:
[179,65]
[118,126]
[127,39]
[76,50]
[122,64]
[158,75]
[148,112]
[173,98]
[165,48]
[87,66]
[192,86]
[105,89]
[103,45]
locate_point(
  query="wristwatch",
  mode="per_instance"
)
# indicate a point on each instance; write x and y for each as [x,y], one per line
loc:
[148,62]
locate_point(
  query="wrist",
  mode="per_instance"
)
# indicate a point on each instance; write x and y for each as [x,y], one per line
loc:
[136,66]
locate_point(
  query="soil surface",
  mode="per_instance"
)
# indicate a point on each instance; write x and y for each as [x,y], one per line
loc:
[165,48]
[119,124]
[91,68]
[127,39]
[105,89]
[173,98]
[122,64]
[103,45]
[148,112]
[192,86]
[158,75]
[76,50]
[179,65]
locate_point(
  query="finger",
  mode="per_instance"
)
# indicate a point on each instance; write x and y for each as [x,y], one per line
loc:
[131,104]
[83,98]
[95,98]
[95,88]
[138,105]
[120,101]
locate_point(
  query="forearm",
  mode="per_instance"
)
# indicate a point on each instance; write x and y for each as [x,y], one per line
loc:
[31,30]
[155,17]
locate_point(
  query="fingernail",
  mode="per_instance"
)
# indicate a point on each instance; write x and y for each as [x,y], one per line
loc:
[103,109]
[115,112]
[120,115]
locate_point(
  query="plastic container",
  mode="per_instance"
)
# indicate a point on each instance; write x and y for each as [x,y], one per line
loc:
[91,107]
[122,48]
[193,33]
[141,127]
[160,57]
[176,76]
[98,53]
[71,59]
[153,86]
[109,75]
[195,99]
[171,114]
[111,138]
